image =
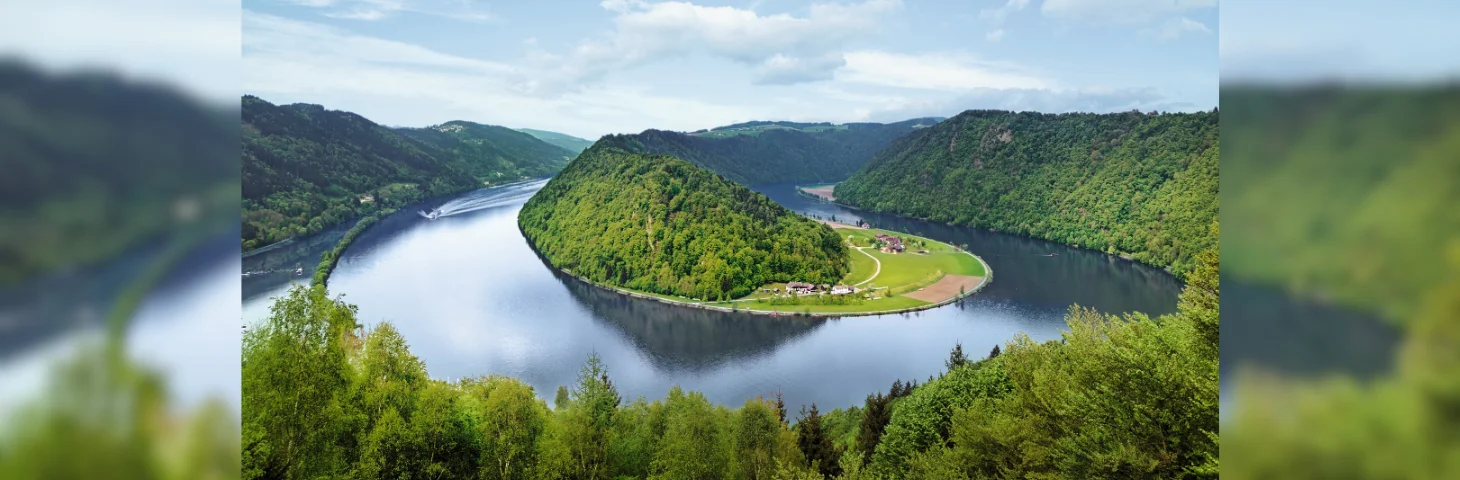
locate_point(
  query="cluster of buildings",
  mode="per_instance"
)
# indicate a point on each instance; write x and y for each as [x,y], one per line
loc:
[802,288]
[890,244]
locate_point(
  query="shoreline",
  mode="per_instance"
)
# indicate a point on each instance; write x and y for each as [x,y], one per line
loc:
[263,248]
[987,277]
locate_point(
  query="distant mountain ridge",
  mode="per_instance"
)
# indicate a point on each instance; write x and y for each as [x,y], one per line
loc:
[568,142]
[95,164]
[775,152]
[306,168]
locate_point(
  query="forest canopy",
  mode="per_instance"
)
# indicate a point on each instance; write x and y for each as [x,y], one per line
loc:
[306,168]
[656,223]
[1132,183]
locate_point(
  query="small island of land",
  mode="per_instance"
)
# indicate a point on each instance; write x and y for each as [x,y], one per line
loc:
[657,227]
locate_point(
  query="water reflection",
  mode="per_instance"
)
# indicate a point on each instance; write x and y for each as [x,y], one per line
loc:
[680,338]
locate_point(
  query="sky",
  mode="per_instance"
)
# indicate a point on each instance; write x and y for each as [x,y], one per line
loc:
[589,68]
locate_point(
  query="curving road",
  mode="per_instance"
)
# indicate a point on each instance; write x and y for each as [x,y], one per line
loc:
[874,260]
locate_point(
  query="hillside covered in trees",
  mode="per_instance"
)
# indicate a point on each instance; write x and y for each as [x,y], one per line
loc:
[95,165]
[1117,397]
[656,223]
[1130,183]
[1344,193]
[306,168]
[757,153]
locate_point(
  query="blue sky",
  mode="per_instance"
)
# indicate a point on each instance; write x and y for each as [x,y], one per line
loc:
[590,68]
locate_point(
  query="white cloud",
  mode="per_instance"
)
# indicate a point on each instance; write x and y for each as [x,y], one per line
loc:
[373,10]
[998,15]
[272,36]
[948,72]
[1121,12]
[782,48]
[995,36]
[1175,27]
[397,83]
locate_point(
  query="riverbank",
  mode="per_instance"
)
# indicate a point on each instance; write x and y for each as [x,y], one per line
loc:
[329,259]
[249,252]
[906,301]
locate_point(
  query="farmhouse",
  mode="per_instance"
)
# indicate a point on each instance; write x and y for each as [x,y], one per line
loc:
[842,290]
[799,288]
[890,244]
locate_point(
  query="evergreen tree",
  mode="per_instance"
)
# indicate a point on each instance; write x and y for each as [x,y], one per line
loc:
[815,444]
[956,358]
[874,420]
[780,407]
[995,352]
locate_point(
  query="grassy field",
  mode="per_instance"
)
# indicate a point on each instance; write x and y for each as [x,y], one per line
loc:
[862,269]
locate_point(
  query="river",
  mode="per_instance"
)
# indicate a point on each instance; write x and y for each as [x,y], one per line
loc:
[472,299]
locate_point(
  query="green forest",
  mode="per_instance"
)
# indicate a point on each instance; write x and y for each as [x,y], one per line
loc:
[96,165]
[1343,193]
[306,168]
[658,224]
[1125,397]
[755,154]
[1138,185]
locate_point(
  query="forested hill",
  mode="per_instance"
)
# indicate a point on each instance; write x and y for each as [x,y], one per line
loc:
[306,168]
[568,142]
[92,165]
[659,224]
[1126,183]
[1318,177]
[773,152]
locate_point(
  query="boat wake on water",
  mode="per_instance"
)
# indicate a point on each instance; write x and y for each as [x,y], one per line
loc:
[479,200]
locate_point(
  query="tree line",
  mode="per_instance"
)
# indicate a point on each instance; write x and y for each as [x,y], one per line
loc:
[1117,397]
[656,223]
[1133,184]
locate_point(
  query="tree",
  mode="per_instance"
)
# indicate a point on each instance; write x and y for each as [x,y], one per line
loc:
[560,401]
[447,442]
[780,407]
[694,439]
[956,358]
[509,420]
[588,421]
[875,416]
[815,445]
[756,439]
[995,352]
[296,417]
